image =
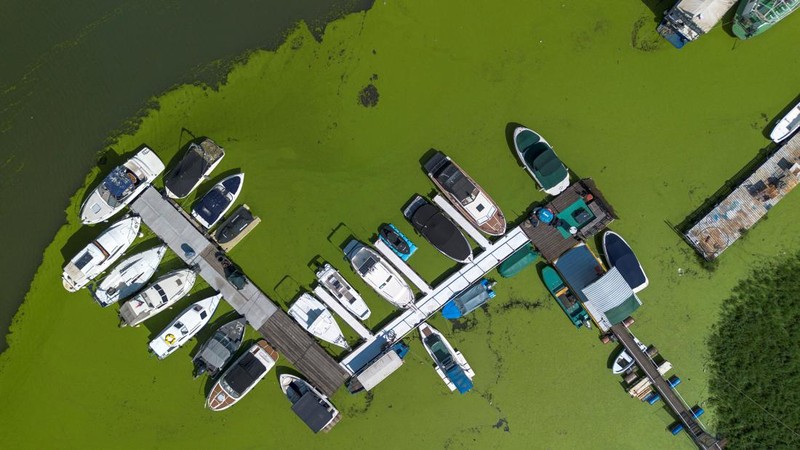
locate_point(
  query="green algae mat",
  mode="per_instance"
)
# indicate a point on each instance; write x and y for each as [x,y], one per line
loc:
[330,135]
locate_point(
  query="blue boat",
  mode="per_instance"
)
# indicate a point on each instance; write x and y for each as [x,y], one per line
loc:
[619,254]
[451,366]
[216,202]
[397,241]
[469,300]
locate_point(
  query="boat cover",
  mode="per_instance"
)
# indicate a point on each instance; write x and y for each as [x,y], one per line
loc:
[379,370]
[191,168]
[216,353]
[312,411]
[519,260]
[579,268]
[450,177]
[548,168]
[620,256]
[459,378]
[246,371]
[610,299]
[119,183]
[234,224]
[441,232]
[211,205]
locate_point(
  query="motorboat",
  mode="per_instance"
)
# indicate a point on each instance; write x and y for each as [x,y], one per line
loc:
[518,261]
[451,366]
[100,254]
[242,376]
[315,318]
[195,166]
[469,300]
[539,159]
[219,348]
[129,276]
[121,186]
[157,297]
[234,225]
[466,195]
[619,254]
[565,298]
[379,274]
[310,405]
[184,327]
[335,283]
[432,223]
[624,360]
[787,125]
[216,202]
[397,241]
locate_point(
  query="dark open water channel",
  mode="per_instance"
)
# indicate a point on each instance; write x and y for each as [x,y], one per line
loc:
[73,72]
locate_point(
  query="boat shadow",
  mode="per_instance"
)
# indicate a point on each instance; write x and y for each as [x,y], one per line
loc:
[658,8]
[287,290]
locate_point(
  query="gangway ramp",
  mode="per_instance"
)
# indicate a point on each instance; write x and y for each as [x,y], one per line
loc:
[340,310]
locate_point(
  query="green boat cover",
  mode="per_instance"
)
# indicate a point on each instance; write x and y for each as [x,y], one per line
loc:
[519,260]
[618,313]
[541,159]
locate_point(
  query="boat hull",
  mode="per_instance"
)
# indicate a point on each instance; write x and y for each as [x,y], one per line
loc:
[379,274]
[619,254]
[220,399]
[526,143]
[209,209]
[191,321]
[129,276]
[342,291]
[315,318]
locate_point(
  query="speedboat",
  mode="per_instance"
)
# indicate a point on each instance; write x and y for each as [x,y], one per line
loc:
[310,405]
[397,241]
[216,202]
[234,225]
[787,125]
[451,366]
[565,298]
[129,276]
[541,161]
[100,254]
[160,295]
[195,166]
[219,348]
[379,275]
[184,327]
[335,283]
[315,318]
[121,186]
[465,194]
[242,376]
[618,254]
[624,361]
[469,300]
[438,229]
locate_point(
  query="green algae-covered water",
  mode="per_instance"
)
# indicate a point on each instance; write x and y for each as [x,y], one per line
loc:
[658,129]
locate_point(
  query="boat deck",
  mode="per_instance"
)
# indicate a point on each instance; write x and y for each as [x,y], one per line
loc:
[462,222]
[402,266]
[179,231]
[340,310]
[748,202]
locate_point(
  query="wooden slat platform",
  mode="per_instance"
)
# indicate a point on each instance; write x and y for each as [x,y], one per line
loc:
[747,203]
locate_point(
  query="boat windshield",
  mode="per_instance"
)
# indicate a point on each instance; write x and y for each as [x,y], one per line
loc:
[162,297]
[440,354]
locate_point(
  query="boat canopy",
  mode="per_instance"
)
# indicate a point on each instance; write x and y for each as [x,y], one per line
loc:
[519,260]
[218,351]
[312,411]
[460,379]
[246,371]
[379,370]
[192,167]
[620,256]
[119,182]
[548,168]
[441,232]
[610,299]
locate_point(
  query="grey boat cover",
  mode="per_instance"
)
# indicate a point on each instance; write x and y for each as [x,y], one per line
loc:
[312,411]
[215,354]
[440,231]
[244,373]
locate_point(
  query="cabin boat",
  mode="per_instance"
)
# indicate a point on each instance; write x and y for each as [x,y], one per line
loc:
[157,297]
[451,366]
[466,195]
[342,291]
[787,125]
[624,360]
[219,348]
[196,165]
[184,327]
[541,162]
[100,254]
[397,241]
[469,300]
[379,274]
[432,223]
[565,298]
[315,318]
[310,405]
[129,276]
[242,376]
[210,208]
[619,254]
[121,186]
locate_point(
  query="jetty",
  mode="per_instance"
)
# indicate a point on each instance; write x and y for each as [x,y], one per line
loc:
[674,403]
[178,230]
[687,20]
[750,201]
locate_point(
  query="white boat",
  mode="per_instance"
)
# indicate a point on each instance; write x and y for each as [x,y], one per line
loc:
[195,166]
[210,208]
[787,125]
[121,186]
[160,295]
[242,376]
[540,160]
[451,366]
[129,276]
[624,361]
[379,274]
[184,327]
[315,318]
[100,254]
[310,405]
[342,291]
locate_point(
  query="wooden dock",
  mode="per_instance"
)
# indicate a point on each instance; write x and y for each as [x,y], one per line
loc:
[748,202]
[551,242]
[177,229]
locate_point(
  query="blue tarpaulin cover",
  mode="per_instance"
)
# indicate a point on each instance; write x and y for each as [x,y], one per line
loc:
[460,379]
[118,183]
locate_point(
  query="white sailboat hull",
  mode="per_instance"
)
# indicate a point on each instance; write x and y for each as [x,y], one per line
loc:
[315,318]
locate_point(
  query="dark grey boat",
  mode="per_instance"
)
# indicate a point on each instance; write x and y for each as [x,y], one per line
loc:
[234,225]
[196,164]
[438,229]
[219,348]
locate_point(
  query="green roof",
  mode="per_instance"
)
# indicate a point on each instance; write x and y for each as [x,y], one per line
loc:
[618,313]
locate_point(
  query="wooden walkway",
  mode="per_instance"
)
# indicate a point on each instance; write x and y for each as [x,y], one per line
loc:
[701,438]
[748,203]
[177,229]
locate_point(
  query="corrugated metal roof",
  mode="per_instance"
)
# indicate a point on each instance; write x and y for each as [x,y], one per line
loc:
[610,299]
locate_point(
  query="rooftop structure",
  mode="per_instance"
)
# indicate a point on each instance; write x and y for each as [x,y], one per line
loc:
[690,19]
